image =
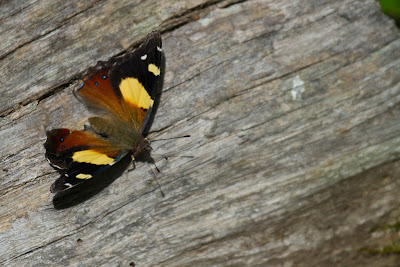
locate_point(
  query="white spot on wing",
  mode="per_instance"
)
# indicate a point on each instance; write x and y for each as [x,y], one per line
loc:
[298,88]
[68,184]
[53,165]
[143,57]
[159,49]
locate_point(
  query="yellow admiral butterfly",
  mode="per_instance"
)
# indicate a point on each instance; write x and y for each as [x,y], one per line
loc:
[124,89]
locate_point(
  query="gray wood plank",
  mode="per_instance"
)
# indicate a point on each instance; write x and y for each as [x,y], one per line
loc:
[293,108]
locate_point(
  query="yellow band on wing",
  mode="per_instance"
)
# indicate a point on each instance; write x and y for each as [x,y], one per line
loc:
[92,157]
[83,176]
[133,92]
[153,69]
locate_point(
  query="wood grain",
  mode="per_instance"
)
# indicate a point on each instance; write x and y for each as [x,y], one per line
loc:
[293,109]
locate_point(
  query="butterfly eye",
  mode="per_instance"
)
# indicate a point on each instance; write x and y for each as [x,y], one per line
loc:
[96,83]
[104,77]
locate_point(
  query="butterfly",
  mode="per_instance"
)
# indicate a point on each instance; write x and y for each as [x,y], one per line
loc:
[124,90]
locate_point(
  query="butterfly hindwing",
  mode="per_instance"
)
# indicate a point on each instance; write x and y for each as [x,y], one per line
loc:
[79,155]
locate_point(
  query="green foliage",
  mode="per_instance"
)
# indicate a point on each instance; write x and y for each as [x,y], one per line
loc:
[392,9]
[393,247]
[388,249]
[395,226]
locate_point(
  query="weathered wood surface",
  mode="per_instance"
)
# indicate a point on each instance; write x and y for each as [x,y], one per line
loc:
[293,108]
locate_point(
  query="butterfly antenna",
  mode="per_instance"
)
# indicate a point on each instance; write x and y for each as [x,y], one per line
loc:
[155,176]
[163,139]
[159,186]
[157,169]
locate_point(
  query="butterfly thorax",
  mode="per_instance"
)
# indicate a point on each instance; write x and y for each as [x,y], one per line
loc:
[140,146]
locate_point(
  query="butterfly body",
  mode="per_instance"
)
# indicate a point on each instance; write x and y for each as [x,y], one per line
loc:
[123,91]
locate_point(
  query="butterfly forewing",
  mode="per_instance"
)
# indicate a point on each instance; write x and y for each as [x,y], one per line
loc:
[134,80]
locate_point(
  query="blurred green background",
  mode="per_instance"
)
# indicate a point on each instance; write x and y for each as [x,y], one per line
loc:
[392,9]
